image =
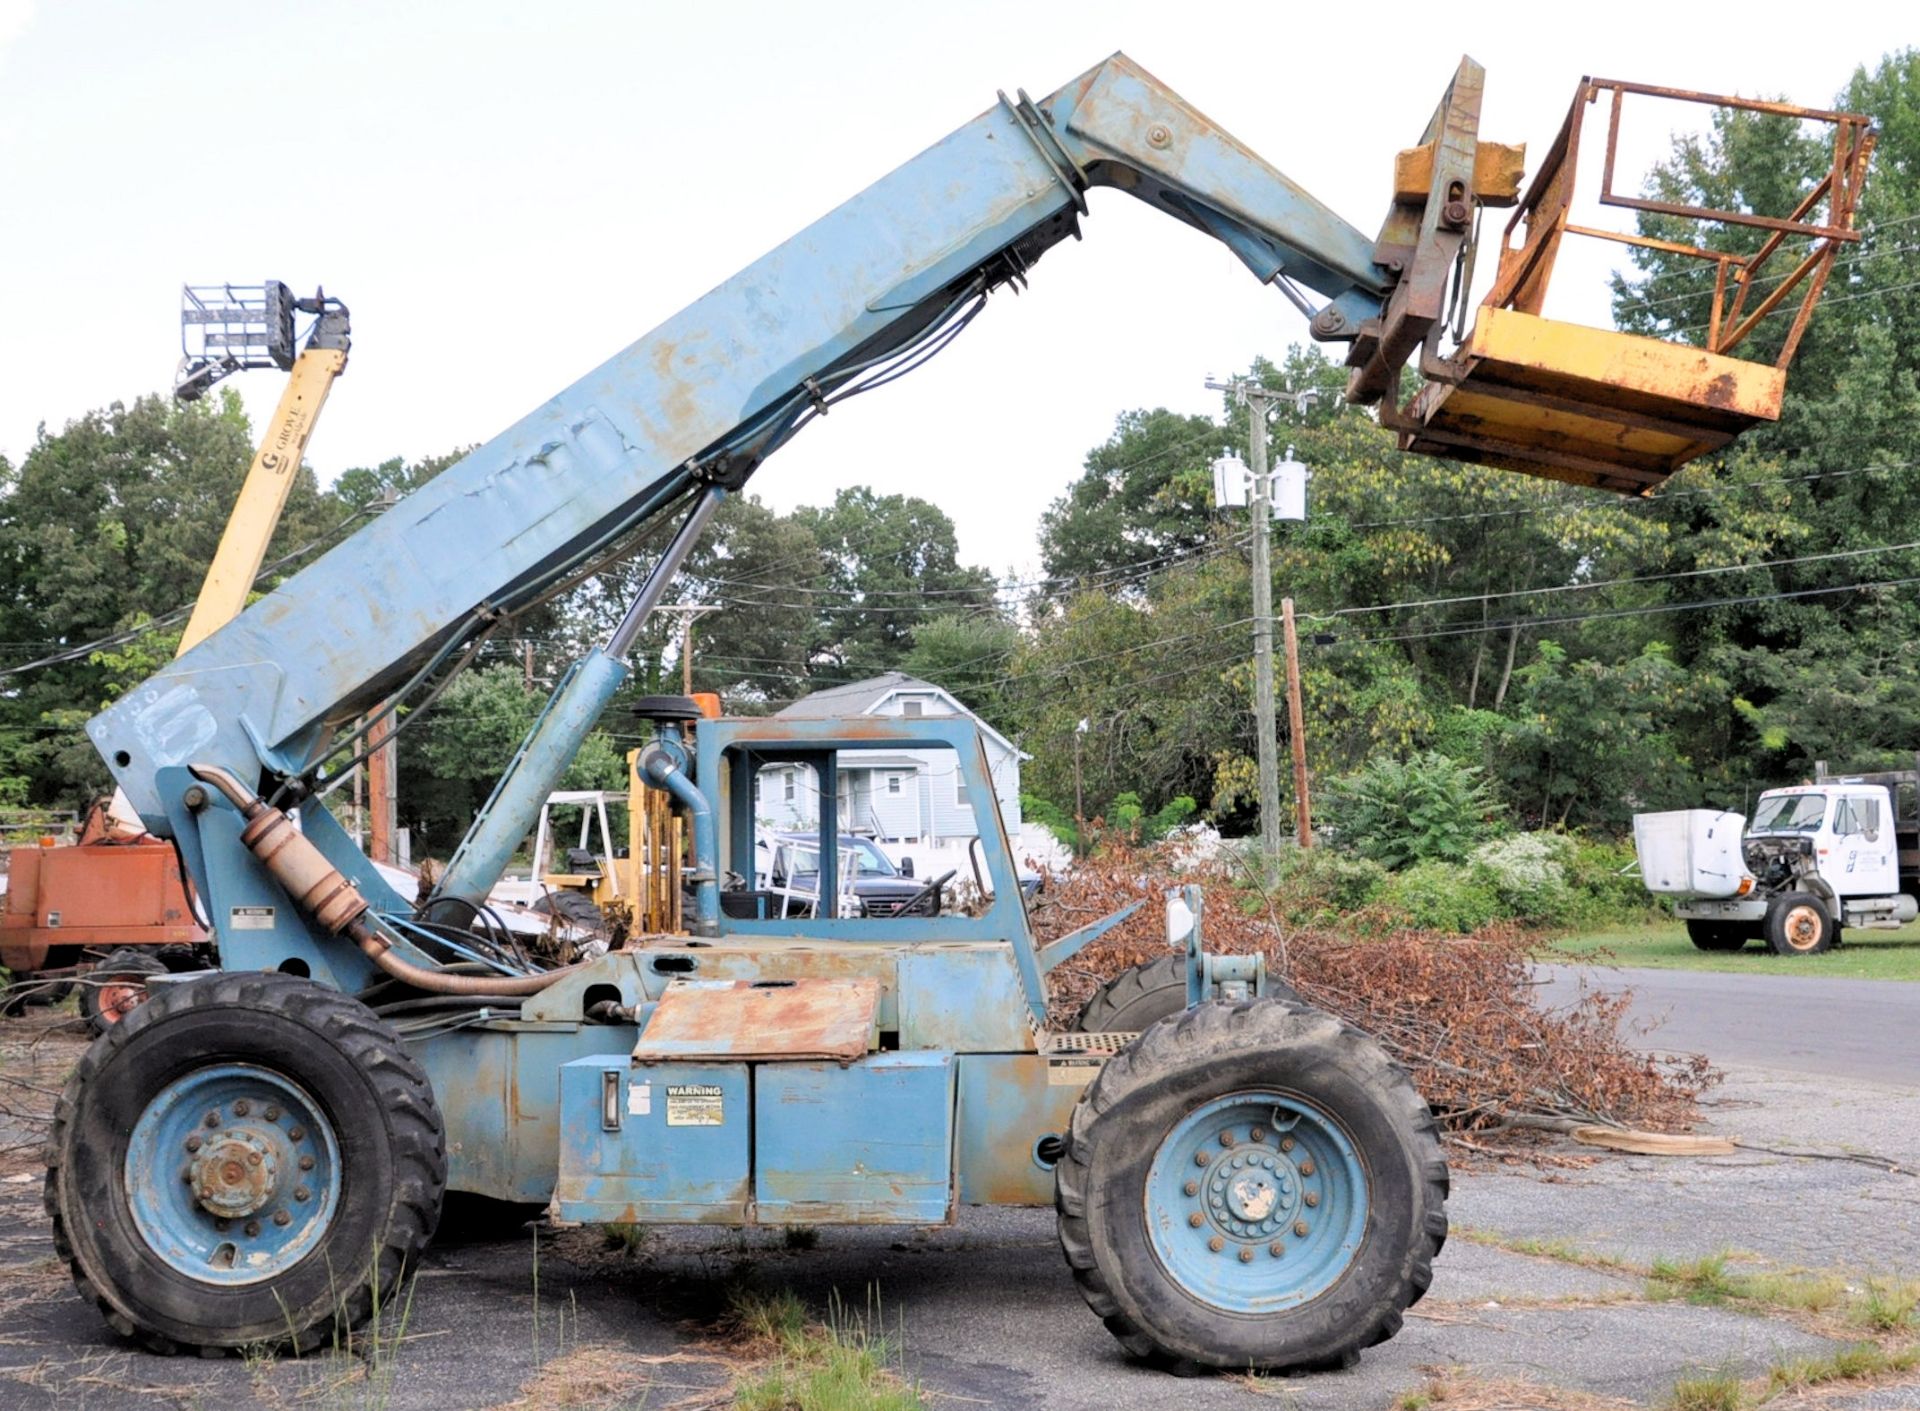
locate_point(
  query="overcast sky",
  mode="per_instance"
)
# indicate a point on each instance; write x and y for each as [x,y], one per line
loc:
[508,193]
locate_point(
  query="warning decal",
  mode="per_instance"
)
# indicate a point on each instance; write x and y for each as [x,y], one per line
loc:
[250,918]
[1075,1072]
[694,1105]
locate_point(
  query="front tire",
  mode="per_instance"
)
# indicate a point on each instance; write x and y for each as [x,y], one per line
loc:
[1717,935]
[188,1131]
[1252,1185]
[1798,924]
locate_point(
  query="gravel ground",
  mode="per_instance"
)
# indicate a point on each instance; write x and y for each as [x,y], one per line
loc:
[985,1311]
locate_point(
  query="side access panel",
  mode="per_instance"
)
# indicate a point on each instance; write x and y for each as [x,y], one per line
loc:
[661,1143]
[861,1143]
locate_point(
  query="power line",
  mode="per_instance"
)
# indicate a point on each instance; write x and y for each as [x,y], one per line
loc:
[1761,566]
[1651,610]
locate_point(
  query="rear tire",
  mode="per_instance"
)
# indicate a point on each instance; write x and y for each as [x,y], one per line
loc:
[1250,1186]
[117,986]
[1717,935]
[1140,997]
[165,1227]
[1798,924]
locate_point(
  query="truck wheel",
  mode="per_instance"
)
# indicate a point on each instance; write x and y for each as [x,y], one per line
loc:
[1798,924]
[574,908]
[1251,1185]
[248,1160]
[116,986]
[1140,997]
[1717,935]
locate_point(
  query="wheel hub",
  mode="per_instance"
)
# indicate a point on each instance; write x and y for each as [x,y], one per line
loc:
[1256,1202]
[1252,1193]
[235,1174]
[1803,928]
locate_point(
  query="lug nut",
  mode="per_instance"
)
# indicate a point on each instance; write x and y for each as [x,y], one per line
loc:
[1200,1158]
[1226,1139]
[253,1228]
[242,1108]
[272,1114]
[1246,1256]
[280,1217]
[193,1142]
[295,1133]
[1306,1167]
[1258,1134]
[301,1193]
[1312,1198]
[1216,1244]
[1300,1229]
[1196,1219]
[213,1119]
[1286,1143]
[306,1164]
[1276,1249]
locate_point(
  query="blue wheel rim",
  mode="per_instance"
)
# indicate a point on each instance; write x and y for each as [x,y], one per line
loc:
[233,1174]
[1256,1202]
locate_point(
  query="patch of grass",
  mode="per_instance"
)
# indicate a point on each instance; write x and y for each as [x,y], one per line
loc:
[801,1237]
[1860,1362]
[1719,1392]
[1866,955]
[1703,1281]
[1457,1389]
[626,1237]
[1562,1251]
[1887,1305]
[841,1365]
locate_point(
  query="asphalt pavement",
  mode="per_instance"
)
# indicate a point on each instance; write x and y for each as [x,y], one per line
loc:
[1862,1029]
[983,1312]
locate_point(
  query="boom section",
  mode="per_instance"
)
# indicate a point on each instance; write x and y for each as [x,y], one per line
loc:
[701,400]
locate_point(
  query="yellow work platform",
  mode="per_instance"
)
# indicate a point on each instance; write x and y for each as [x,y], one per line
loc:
[1592,406]
[1614,411]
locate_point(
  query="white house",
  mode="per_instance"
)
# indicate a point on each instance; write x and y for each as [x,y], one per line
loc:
[899,796]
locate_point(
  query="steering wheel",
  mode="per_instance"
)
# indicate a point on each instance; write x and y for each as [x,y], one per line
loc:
[931,889]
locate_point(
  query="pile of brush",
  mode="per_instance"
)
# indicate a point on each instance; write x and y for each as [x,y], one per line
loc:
[1462,1013]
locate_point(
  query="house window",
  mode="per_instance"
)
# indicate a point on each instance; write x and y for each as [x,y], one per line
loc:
[959,786]
[910,707]
[788,777]
[893,783]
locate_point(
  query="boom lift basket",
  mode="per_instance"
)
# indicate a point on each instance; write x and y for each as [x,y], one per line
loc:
[1620,411]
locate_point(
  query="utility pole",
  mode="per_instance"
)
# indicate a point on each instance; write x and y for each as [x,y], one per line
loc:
[689,613]
[382,786]
[526,656]
[1256,399]
[1296,729]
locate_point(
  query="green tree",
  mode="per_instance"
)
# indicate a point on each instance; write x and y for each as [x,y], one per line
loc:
[451,757]
[1146,494]
[108,525]
[892,562]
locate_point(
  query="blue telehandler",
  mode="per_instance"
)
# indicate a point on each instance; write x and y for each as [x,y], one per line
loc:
[1240,1181]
